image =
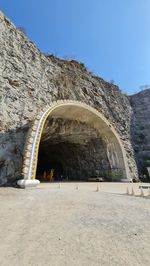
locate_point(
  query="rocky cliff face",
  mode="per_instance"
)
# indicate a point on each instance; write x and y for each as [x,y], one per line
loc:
[29,81]
[140,103]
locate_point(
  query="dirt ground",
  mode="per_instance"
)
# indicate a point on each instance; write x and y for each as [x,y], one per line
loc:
[72,224]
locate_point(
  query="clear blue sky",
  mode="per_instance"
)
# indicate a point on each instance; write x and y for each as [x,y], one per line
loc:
[112,37]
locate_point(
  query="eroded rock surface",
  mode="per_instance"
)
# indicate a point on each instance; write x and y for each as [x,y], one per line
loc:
[29,81]
[141,128]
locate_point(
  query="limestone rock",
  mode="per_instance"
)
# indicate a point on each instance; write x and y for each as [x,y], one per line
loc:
[29,81]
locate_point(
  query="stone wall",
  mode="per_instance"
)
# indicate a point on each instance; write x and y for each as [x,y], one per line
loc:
[140,103]
[30,80]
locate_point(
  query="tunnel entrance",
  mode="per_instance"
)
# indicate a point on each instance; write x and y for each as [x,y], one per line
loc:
[71,151]
[48,168]
[74,140]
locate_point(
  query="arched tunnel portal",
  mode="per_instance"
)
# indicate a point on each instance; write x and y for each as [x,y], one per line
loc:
[71,140]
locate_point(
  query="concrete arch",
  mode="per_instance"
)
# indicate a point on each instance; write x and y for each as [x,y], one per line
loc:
[70,110]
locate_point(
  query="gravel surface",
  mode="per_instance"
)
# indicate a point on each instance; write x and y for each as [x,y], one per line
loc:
[73,225]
